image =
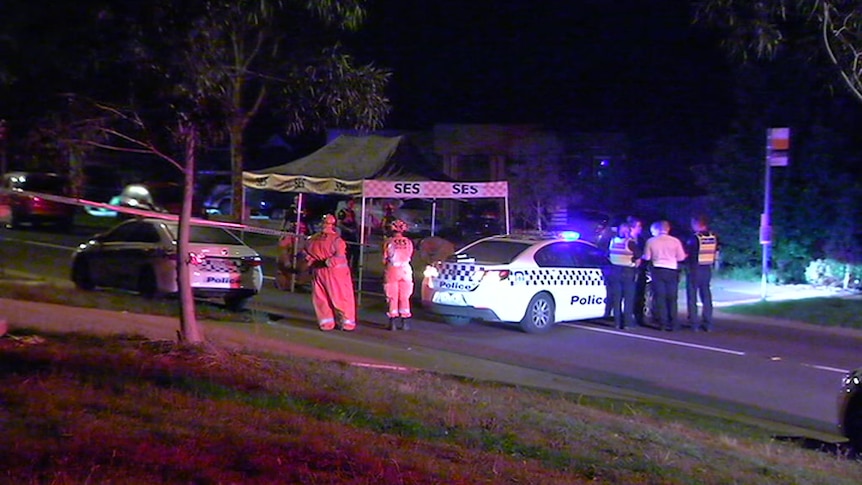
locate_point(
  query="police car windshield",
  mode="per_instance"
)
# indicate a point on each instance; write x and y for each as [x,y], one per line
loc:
[207,235]
[491,252]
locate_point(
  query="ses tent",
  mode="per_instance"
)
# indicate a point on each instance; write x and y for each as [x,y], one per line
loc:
[370,167]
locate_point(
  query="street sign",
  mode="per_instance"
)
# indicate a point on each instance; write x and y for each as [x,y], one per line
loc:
[778,147]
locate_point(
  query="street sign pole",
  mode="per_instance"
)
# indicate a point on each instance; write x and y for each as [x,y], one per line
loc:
[777,154]
[765,231]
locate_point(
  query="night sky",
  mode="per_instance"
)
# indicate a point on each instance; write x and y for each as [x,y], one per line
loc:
[593,65]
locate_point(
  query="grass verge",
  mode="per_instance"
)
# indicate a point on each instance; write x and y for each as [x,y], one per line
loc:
[122,409]
[825,311]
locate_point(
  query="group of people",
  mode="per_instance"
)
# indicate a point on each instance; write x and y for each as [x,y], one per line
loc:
[664,256]
[330,258]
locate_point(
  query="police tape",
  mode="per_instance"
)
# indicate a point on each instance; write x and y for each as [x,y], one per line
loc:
[147,213]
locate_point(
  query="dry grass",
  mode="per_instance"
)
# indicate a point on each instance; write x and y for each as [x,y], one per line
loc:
[81,409]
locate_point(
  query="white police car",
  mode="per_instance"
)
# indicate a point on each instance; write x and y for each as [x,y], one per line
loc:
[532,280]
[141,255]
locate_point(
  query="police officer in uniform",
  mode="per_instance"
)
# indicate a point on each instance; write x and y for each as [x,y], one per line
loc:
[701,247]
[641,277]
[624,255]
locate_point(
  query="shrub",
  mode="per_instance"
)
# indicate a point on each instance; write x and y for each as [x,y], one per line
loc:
[829,272]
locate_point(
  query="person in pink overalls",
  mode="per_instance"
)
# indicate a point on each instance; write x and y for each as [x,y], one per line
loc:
[398,275]
[332,285]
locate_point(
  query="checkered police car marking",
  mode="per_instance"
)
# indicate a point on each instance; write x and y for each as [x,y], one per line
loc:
[557,277]
[529,277]
[219,265]
[459,272]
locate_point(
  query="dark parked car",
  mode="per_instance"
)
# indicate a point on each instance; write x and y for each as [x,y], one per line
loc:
[23,205]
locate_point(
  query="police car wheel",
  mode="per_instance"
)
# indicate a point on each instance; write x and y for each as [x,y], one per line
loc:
[456,321]
[147,283]
[235,303]
[540,314]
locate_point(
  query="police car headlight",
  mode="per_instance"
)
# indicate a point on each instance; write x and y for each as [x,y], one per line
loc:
[430,272]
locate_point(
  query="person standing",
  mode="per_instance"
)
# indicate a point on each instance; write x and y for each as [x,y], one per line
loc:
[398,275]
[665,252]
[624,256]
[702,247]
[388,219]
[290,262]
[348,225]
[332,285]
[636,227]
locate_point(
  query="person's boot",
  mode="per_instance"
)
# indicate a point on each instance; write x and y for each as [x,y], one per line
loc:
[405,324]
[391,324]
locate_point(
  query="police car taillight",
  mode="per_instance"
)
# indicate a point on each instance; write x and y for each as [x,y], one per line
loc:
[197,259]
[500,274]
[251,261]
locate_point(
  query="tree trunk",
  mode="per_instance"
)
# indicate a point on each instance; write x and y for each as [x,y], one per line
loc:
[190,330]
[237,162]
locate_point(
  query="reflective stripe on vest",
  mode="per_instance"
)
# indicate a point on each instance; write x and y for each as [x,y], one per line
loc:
[620,253]
[707,244]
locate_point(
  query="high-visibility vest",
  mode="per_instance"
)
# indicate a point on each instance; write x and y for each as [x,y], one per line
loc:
[620,253]
[707,245]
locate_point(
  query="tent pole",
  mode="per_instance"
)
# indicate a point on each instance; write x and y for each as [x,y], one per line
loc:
[296,243]
[433,216]
[361,249]
[508,231]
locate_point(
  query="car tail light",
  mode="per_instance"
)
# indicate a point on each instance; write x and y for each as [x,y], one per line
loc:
[251,261]
[197,259]
[500,274]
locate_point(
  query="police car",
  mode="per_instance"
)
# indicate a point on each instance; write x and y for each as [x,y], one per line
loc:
[533,280]
[141,255]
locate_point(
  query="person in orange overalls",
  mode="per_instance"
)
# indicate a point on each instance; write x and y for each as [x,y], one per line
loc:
[398,275]
[332,285]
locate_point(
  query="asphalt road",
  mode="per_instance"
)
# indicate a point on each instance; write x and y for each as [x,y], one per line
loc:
[777,371]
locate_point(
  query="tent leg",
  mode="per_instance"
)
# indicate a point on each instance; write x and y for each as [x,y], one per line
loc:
[361,252]
[298,235]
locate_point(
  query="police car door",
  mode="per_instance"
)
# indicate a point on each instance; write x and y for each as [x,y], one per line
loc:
[589,291]
[558,277]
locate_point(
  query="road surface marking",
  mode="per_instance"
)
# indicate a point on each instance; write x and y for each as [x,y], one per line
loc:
[382,366]
[827,368]
[37,243]
[656,339]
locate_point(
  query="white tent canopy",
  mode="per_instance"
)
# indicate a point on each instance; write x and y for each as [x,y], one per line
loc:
[370,167]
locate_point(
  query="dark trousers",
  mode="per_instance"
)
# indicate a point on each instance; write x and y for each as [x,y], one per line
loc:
[666,289]
[621,293]
[698,284]
[352,241]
